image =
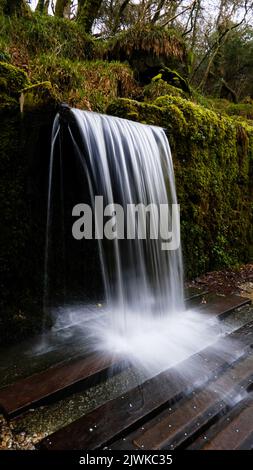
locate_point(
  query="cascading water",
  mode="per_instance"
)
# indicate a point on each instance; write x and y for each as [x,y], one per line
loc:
[144,316]
[130,163]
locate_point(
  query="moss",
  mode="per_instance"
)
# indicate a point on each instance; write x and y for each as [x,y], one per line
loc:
[244,110]
[240,111]
[23,38]
[12,79]
[213,161]
[87,13]
[7,102]
[37,96]
[86,84]
[4,56]
[147,49]
[14,7]
[159,88]
[21,263]
[148,38]
[172,77]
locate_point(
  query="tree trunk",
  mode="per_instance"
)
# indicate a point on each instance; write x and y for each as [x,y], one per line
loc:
[119,15]
[42,6]
[14,7]
[61,7]
[87,13]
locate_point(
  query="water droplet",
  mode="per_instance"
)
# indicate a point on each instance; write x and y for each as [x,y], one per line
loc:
[237,430]
[205,437]
[130,405]
[169,425]
[91,429]
[194,407]
[185,433]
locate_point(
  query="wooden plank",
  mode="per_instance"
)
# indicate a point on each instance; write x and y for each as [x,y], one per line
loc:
[247,444]
[192,293]
[27,392]
[236,431]
[176,425]
[223,306]
[31,391]
[112,418]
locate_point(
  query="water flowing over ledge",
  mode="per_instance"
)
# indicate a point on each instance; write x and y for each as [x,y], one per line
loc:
[143,316]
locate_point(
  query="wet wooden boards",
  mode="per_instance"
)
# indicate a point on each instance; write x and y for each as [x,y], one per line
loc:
[175,426]
[222,306]
[29,391]
[233,431]
[110,420]
[32,391]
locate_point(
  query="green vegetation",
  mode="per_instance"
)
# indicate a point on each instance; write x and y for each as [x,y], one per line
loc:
[87,84]
[56,50]
[12,79]
[22,38]
[213,160]
[160,88]
[163,46]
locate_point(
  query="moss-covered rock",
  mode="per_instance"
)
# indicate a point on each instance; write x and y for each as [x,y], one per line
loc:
[213,160]
[87,84]
[158,88]
[37,96]
[172,77]
[147,49]
[242,110]
[12,79]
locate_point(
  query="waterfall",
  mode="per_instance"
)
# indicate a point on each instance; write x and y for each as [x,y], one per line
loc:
[130,163]
[126,164]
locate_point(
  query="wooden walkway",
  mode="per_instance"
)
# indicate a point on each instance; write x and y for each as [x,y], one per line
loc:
[167,411]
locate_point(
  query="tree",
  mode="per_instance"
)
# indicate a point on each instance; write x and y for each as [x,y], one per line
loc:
[119,15]
[234,64]
[87,13]
[62,7]
[42,6]
[14,7]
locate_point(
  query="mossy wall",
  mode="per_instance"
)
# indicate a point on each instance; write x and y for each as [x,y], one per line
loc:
[213,161]
[24,149]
